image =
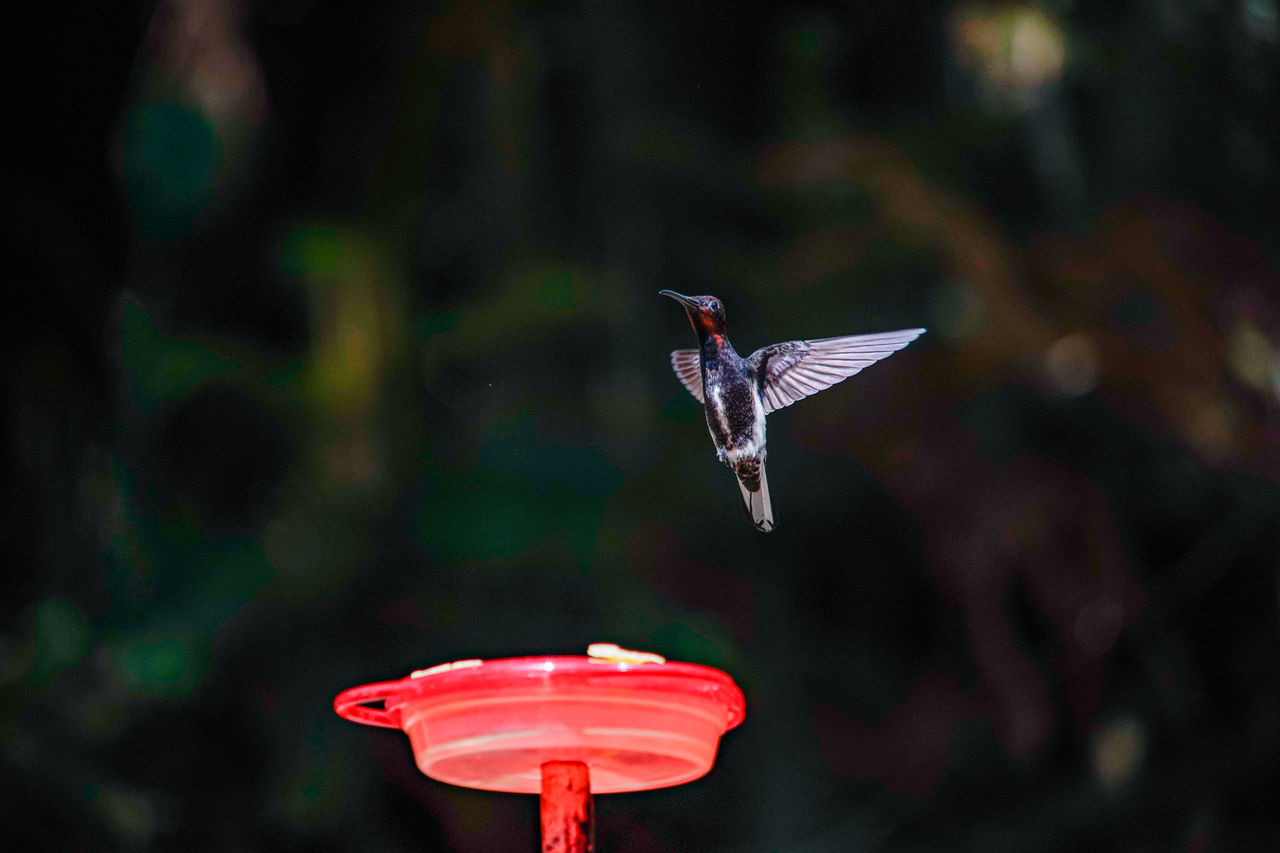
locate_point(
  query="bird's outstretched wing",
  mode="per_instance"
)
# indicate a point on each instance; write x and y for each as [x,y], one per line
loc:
[688,367]
[795,369]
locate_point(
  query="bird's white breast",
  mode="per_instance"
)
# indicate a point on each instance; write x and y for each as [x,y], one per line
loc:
[755,446]
[717,406]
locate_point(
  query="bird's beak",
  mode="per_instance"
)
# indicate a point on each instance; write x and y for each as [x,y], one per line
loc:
[681,298]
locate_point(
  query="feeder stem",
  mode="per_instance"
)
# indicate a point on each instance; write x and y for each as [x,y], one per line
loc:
[568,819]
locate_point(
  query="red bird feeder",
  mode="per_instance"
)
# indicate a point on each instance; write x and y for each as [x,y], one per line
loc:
[562,727]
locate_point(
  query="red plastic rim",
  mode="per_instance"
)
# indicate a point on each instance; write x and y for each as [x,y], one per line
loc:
[491,724]
[685,678]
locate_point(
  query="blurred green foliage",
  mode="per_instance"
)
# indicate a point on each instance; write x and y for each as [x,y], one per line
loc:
[347,359]
[169,160]
[59,639]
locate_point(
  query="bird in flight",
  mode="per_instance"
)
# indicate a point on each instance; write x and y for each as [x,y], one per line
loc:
[737,392]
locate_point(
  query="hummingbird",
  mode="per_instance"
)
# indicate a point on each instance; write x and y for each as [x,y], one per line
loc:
[737,393]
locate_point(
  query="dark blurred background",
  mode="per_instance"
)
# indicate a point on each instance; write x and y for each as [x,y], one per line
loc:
[334,350]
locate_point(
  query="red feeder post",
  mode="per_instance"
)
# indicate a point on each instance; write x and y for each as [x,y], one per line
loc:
[560,727]
[568,819]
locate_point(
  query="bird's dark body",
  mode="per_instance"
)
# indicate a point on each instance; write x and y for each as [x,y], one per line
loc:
[737,392]
[732,410]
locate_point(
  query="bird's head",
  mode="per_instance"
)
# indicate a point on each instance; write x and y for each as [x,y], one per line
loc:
[706,313]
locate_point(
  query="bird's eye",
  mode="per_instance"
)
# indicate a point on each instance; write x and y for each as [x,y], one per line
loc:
[713,305]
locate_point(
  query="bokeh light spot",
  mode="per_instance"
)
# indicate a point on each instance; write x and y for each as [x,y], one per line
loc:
[61,638]
[1261,19]
[1211,425]
[1118,750]
[160,666]
[807,41]
[161,368]
[170,158]
[557,290]
[309,251]
[131,814]
[1071,364]
[1250,356]
[1012,48]
[354,330]
[164,661]
[1098,624]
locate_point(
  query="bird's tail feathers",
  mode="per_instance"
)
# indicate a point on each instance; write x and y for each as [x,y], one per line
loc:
[756,502]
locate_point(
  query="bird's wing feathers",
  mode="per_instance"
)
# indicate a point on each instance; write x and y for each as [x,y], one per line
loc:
[795,369]
[688,367]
